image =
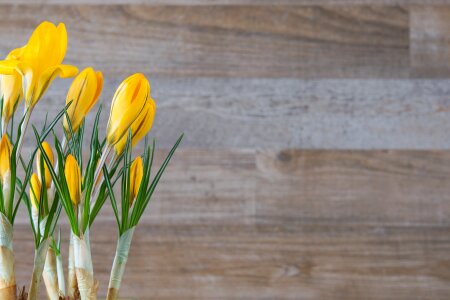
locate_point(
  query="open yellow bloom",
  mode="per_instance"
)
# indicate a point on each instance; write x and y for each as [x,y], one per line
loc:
[83,93]
[136,173]
[35,191]
[73,177]
[41,60]
[128,102]
[11,88]
[47,174]
[140,127]
[5,155]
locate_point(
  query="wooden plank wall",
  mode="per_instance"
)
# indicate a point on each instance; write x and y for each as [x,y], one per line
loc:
[315,164]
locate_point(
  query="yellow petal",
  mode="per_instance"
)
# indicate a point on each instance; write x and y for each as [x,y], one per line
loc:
[136,173]
[140,127]
[47,174]
[73,177]
[47,46]
[5,156]
[35,191]
[127,104]
[39,61]
[83,93]
[8,67]
[46,79]
[11,89]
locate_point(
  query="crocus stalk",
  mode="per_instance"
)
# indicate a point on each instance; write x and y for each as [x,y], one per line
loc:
[11,89]
[60,274]
[38,267]
[40,252]
[83,94]
[120,261]
[87,286]
[50,275]
[124,242]
[72,275]
[7,262]
[73,177]
[7,271]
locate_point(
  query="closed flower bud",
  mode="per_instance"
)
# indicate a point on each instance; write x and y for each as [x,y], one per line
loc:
[73,177]
[47,174]
[35,191]
[83,93]
[5,157]
[140,127]
[127,104]
[136,173]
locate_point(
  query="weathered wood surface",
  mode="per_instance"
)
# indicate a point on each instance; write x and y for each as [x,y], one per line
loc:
[230,41]
[242,212]
[233,2]
[278,113]
[286,225]
[430,42]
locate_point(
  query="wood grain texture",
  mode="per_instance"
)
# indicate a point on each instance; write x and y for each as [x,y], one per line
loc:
[430,43]
[233,2]
[277,113]
[286,225]
[243,212]
[225,41]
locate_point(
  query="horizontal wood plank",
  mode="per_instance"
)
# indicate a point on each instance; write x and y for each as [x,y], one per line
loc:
[233,2]
[252,224]
[430,44]
[267,261]
[279,113]
[311,187]
[225,41]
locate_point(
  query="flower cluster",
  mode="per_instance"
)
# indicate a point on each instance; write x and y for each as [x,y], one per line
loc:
[57,176]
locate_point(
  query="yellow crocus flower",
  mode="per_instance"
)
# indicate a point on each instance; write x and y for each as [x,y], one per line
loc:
[136,173]
[35,191]
[11,88]
[140,127]
[128,102]
[5,155]
[41,60]
[47,174]
[83,93]
[73,177]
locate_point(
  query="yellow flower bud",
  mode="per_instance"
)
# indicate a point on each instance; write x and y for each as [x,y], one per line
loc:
[5,155]
[47,174]
[11,88]
[35,191]
[140,127]
[136,173]
[128,102]
[40,61]
[73,177]
[83,93]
